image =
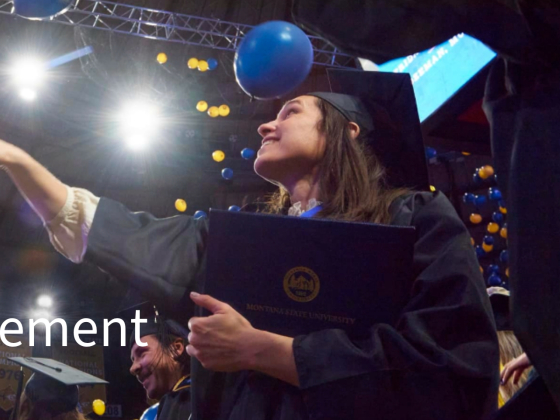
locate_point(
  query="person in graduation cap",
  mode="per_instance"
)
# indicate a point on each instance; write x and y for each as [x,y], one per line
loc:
[356,154]
[163,366]
[522,104]
[51,393]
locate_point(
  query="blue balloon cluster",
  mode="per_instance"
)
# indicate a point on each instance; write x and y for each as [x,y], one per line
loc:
[504,256]
[247,153]
[199,214]
[488,240]
[273,59]
[479,251]
[468,198]
[494,194]
[480,200]
[498,217]
[492,269]
[227,173]
[494,280]
[234,208]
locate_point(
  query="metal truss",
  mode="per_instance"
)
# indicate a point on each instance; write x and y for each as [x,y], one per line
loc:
[173,27]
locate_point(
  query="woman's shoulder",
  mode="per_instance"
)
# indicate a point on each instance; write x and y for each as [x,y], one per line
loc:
[421,207]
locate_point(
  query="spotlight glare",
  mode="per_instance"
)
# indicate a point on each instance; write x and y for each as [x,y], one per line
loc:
[28,72]
[27,94]
[44,301]
[139,122]
[41,313]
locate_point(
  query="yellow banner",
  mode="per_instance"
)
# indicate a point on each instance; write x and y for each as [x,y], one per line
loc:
[86,359]
[10,371]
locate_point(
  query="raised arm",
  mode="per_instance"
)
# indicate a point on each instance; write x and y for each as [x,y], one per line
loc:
[42,190]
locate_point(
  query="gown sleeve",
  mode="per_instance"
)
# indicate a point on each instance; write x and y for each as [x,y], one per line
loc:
[160,258]
[441,358]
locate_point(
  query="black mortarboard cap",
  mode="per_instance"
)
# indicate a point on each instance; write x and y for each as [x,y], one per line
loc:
[54,384]
[499,298]
[384,106]
[157,324]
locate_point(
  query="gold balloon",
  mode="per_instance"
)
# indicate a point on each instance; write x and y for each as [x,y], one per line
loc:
[503,232]
[475,218]
[507,271]
[466,153]
[487,248]
[432,188]
[481,269]
[223,110]
[493,227]
[192,63]
[486,172]
[161,58]
[472,241]
[503,210]
[202,106]
[98,407]
[180,205]
[213,111]
[218,155]
[202,65]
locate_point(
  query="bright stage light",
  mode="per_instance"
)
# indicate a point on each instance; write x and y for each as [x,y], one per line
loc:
[139,123]
[41,313]
[44,301]
[27,94]
[28,72]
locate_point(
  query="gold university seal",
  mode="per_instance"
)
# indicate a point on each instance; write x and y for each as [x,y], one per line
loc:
[301,284]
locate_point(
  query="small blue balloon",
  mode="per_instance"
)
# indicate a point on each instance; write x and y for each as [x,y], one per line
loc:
[494,280]
[212,63]
[488,240]
[468,198]
[150,413]
[39,9]
[480,200]
[234,208]
[476,179]
[247,153]
[273,59]
[199,214]
[498,217]
[496,178]
[492,269]
[479,251]
[430,152]
[494,194]
[227,173]
[504,256]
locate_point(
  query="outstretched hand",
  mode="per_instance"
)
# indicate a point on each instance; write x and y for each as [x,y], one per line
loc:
[515,368]
[224,341]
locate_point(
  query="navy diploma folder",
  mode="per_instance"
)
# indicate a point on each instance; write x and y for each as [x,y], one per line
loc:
[293,275]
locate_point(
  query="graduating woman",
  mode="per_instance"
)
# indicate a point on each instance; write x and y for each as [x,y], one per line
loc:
[440,360]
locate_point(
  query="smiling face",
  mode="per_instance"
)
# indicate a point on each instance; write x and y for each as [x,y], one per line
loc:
[155,369]
[292,145]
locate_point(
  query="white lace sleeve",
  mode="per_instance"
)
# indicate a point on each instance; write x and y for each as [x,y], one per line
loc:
[69,230]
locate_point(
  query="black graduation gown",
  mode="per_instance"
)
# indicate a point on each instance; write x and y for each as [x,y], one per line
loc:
[440,362]
[522,103]
[176,404]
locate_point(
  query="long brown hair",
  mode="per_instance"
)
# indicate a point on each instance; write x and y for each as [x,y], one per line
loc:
[352,180]
[30,411]
[509,350]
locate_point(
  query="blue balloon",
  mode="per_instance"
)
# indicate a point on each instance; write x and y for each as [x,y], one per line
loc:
[488,240]
[430,152]
[39,9]
[504,256]
[479,251]
[494,194]
[234,208]
[150,413]
[480,200]
[492,269]
[273,59]
[199,214]
[468,198]
[476,179]
[494,280]
[498,217]
[212,63]
[227,173]
[247,153]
